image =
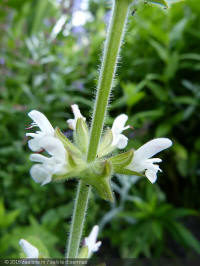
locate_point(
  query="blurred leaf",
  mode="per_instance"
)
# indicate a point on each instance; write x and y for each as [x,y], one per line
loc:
[185,236]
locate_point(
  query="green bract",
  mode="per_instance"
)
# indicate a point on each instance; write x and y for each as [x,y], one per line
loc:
[159,2]
[99,172]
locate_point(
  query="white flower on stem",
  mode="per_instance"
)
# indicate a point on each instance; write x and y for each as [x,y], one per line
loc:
[142,161]
[77,114]
[30,251]
[49,166]
[46,130]
[119,140]
[45,140]
[90,241]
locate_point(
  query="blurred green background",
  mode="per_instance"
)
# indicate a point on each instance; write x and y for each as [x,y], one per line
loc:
[50,52]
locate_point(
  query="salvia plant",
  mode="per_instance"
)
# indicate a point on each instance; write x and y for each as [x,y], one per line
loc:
[93,157]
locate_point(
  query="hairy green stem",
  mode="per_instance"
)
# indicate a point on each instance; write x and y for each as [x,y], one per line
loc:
[107,73]
[108,68]
[78,218]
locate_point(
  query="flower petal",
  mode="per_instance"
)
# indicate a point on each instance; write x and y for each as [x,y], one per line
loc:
[35,157]
[34,144]
[151,174]
[119,140]
[72,123]
[90,241]
[41,121]
[119,123]
[77,114]
[30,251]
[151,148]
[76,111]
[54,147]
[40,174]
[122,142]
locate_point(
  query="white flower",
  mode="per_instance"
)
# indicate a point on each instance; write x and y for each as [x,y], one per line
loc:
[119,140]
[30,251]
[77,114]
[141,161]
[48,166]
[90,241]
[45,140]
[39,120]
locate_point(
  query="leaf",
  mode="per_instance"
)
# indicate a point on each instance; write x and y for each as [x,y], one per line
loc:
[182,212]
[7,218]
[159,92]
[132,92]
[162,51]
[186,237]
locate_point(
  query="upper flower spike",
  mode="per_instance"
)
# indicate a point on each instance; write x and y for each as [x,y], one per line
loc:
[90,241]
[119,140]
[30,251]
[39,120]
[141,160]
[77,114]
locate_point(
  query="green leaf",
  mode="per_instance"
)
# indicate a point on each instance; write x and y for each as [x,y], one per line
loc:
[186,237]
[7,218]
[162,51]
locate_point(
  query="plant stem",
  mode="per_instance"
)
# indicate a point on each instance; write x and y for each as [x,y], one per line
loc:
[108,68]
[107,73]
[78,218]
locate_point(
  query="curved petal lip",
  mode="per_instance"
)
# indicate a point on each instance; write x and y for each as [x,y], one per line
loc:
[118,124]
[41,121]
[122,142]
[39,174]
[151,175]
[152,147]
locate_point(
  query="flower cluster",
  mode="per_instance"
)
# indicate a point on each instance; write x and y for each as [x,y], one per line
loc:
[68,160]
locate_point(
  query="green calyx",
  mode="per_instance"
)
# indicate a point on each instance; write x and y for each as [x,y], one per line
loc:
[98,172]
[81,135]
[105,146]
[98,175]
[83,254]
[158,2]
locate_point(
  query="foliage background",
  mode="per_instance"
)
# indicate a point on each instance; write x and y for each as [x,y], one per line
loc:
[48,68]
